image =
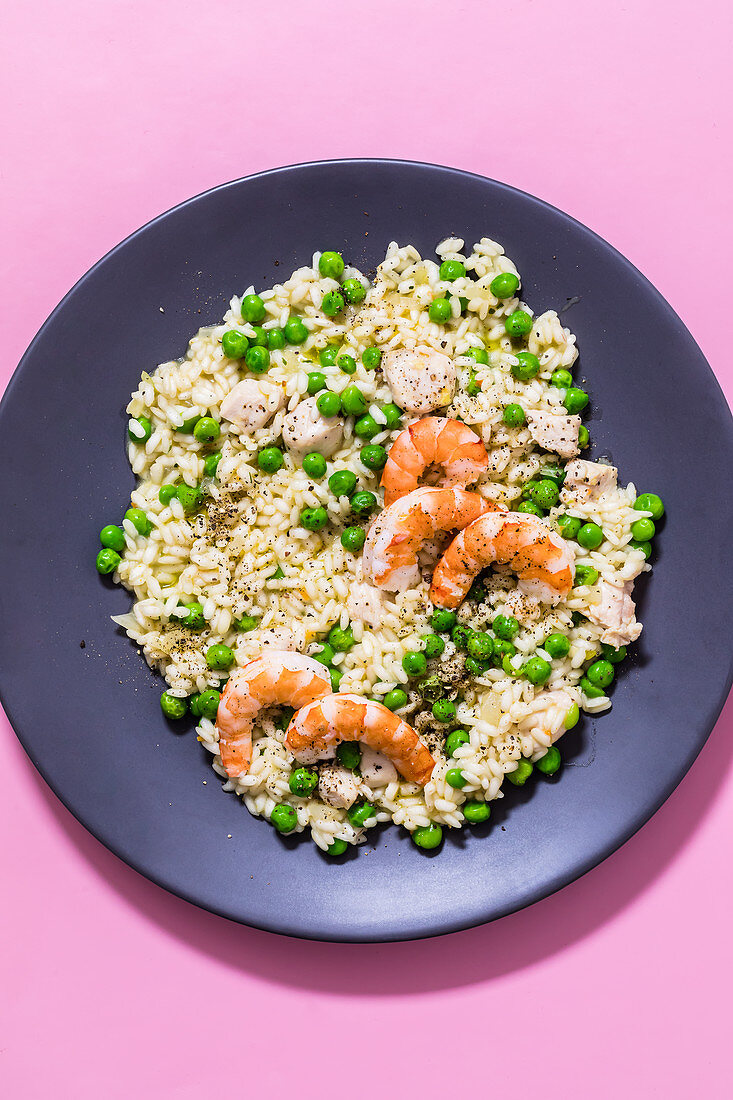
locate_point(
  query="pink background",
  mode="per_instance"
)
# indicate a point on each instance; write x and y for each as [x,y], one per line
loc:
[618,113]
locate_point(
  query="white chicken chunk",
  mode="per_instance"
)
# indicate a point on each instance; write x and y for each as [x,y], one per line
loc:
[587,481]
[337,786]
[252,403]
[616,612]
[376,769]
[421,380]
[554,432]
[364,603]
[304,430]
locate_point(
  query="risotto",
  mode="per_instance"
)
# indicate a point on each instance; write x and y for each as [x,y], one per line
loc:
[364,550]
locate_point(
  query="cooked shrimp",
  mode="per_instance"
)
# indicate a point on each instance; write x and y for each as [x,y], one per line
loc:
[316,729]
[433,441]
[393,540]
[275,678]
[543,561]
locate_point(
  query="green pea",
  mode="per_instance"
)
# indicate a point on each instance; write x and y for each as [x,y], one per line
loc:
[353,538]
[112,537]
[395,699]
[590,536]
[270,460]
[562,378]
[554,473]
[374,457]
[476,812]
[650,502]
[444,710]
[583,437]
[585,575]
[316,382]
[550,762]
[440,311]
[455,778]
[348,753]
[325,654]
[211,463]
[336,676]
[643,530]
[295,331]
[245,624]
[431,688]
[303,782]
[190,498]
[336,848]
[545,493]
[342,483]
[206,704]
[443,621]
[514,416]
[480,646]
[518,323]
[342,639]
[140,429]
[314,519]
[434,646]
[166,493]
[275,339]
[521,775]
[366,427]
[253,309]
[194,617]
[259,339]
[615,656]
[327,356]
[359,813]
[371,358]
[363,503]
[207,430]
[530,508]
[450,270]
[328,404]
[473,389]
[454,741]
[284,818]
[460,635]
[333,303]
[353,401]
[479,355]
[107,561]
[428,836]
[353,291]
[139,520]
[537,670]
[234,344]
[601,673]
[569,525]
[219,656]
[526,366]
[505,626]
[173,707]
[503,649]
[414,664]
[257,359]
[477,668]
[645,547]
[557,645]
[346,363]
[575,400]
[188,425]
[504,285]
[590,689]
[572,717]
[314,464]
[331,265]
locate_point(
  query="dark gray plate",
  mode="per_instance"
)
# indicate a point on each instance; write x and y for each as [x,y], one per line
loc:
[89,717]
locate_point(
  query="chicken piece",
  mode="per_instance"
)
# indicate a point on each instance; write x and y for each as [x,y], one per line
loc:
[304,430]
[283,638]
[421,380]
[364,602]
[616,612]
[337,786]
[587,481]
[554,432]
[252,403]
[376,769]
